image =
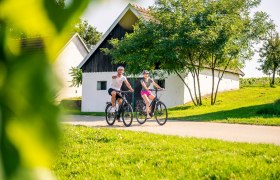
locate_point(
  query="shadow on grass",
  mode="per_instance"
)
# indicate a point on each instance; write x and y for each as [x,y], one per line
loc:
[240,113]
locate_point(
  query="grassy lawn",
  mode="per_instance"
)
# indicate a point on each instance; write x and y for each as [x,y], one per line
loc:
[89,153]
[239,106]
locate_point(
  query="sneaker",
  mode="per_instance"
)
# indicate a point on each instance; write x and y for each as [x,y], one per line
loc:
[113,110]
[148,117]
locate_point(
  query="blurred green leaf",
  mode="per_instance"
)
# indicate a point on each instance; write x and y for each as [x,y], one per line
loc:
[29,117]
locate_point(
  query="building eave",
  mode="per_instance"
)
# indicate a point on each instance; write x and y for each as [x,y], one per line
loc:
[128,7]
[71,39]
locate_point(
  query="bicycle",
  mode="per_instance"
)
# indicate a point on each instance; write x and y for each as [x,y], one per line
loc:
[125,111]
[157,107]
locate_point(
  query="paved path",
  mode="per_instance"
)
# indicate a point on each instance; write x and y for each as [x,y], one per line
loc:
[222,131]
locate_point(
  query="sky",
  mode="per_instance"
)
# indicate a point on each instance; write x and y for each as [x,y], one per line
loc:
[103,13]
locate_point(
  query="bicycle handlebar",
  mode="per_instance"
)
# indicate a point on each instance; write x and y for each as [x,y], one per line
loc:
[123,91]
[157,89]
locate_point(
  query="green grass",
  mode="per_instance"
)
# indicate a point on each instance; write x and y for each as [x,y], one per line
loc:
[240,106]
[89,153]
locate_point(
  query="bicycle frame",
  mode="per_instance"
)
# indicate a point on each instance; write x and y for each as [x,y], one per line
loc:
[154,101]
[124,100]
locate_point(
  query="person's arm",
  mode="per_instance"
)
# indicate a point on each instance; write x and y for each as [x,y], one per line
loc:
[128,85]
[155,84]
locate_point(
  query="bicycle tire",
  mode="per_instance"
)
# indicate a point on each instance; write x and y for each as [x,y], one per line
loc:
[141,115]
[110,117]
[127,115]
[160,109]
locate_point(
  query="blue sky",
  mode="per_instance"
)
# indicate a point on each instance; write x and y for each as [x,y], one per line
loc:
[103,14]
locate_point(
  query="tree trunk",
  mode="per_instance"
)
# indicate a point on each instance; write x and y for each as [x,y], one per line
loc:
[194,86]
[198,87]
[273,76]
[213,84]
[187,87]
[220,78]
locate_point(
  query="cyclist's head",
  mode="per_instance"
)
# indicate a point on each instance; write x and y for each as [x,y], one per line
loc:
[120,70]
[146,73]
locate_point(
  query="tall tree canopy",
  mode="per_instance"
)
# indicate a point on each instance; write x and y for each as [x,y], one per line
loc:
[270,57]
[88,32]
[186,36]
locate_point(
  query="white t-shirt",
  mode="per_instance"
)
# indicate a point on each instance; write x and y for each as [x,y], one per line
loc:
[117,83]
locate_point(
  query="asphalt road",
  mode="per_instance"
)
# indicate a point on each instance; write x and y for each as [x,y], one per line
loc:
[221,131]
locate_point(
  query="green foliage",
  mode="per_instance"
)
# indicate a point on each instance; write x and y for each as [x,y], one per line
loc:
[70,103]
[241,106]
[77,77]
[270,57]
[88,33]
[257,82]
[187,36]
[273,109]
[90,153]
[28,114]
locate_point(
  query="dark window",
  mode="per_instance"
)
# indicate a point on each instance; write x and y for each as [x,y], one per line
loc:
[101,85]
[161,83]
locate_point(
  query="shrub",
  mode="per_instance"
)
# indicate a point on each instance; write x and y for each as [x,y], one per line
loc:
[276,106]
[70,104]
[273,109]
[257,82]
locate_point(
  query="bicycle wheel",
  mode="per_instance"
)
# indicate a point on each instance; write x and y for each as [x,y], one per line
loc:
[141,115]
[161,113]
[127,115]
[110,117]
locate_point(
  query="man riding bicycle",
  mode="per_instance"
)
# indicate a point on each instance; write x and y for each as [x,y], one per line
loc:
[117,81]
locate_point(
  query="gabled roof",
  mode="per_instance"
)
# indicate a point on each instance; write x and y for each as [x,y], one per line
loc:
[76,35]
[137,11]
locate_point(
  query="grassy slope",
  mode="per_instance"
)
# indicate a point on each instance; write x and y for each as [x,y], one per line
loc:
[110,154]
[233,107]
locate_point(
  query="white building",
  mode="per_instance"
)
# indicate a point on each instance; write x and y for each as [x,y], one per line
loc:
[70,56]
[98,69]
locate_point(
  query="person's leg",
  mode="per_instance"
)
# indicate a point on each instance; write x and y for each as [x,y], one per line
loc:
[147,102]
[119,101]
[113,99]
[151,97]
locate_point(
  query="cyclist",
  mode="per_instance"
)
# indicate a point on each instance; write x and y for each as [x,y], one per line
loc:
[145,92]
[117,81]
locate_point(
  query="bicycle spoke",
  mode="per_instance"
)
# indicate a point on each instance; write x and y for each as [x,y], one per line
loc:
[127,115]
[161,113]
[110,117]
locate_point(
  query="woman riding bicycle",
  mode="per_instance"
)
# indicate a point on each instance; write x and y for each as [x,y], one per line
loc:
[145,92]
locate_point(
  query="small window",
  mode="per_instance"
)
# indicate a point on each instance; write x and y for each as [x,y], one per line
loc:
[101,85]
[161,83]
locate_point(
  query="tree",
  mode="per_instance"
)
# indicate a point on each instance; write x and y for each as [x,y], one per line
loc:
[232,33]
[188,36]
[87,32]
[270,57]
[77,75]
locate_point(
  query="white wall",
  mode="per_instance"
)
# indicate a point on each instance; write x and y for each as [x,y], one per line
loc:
[94,100]
[175,93]
[69,57]
[230,81]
